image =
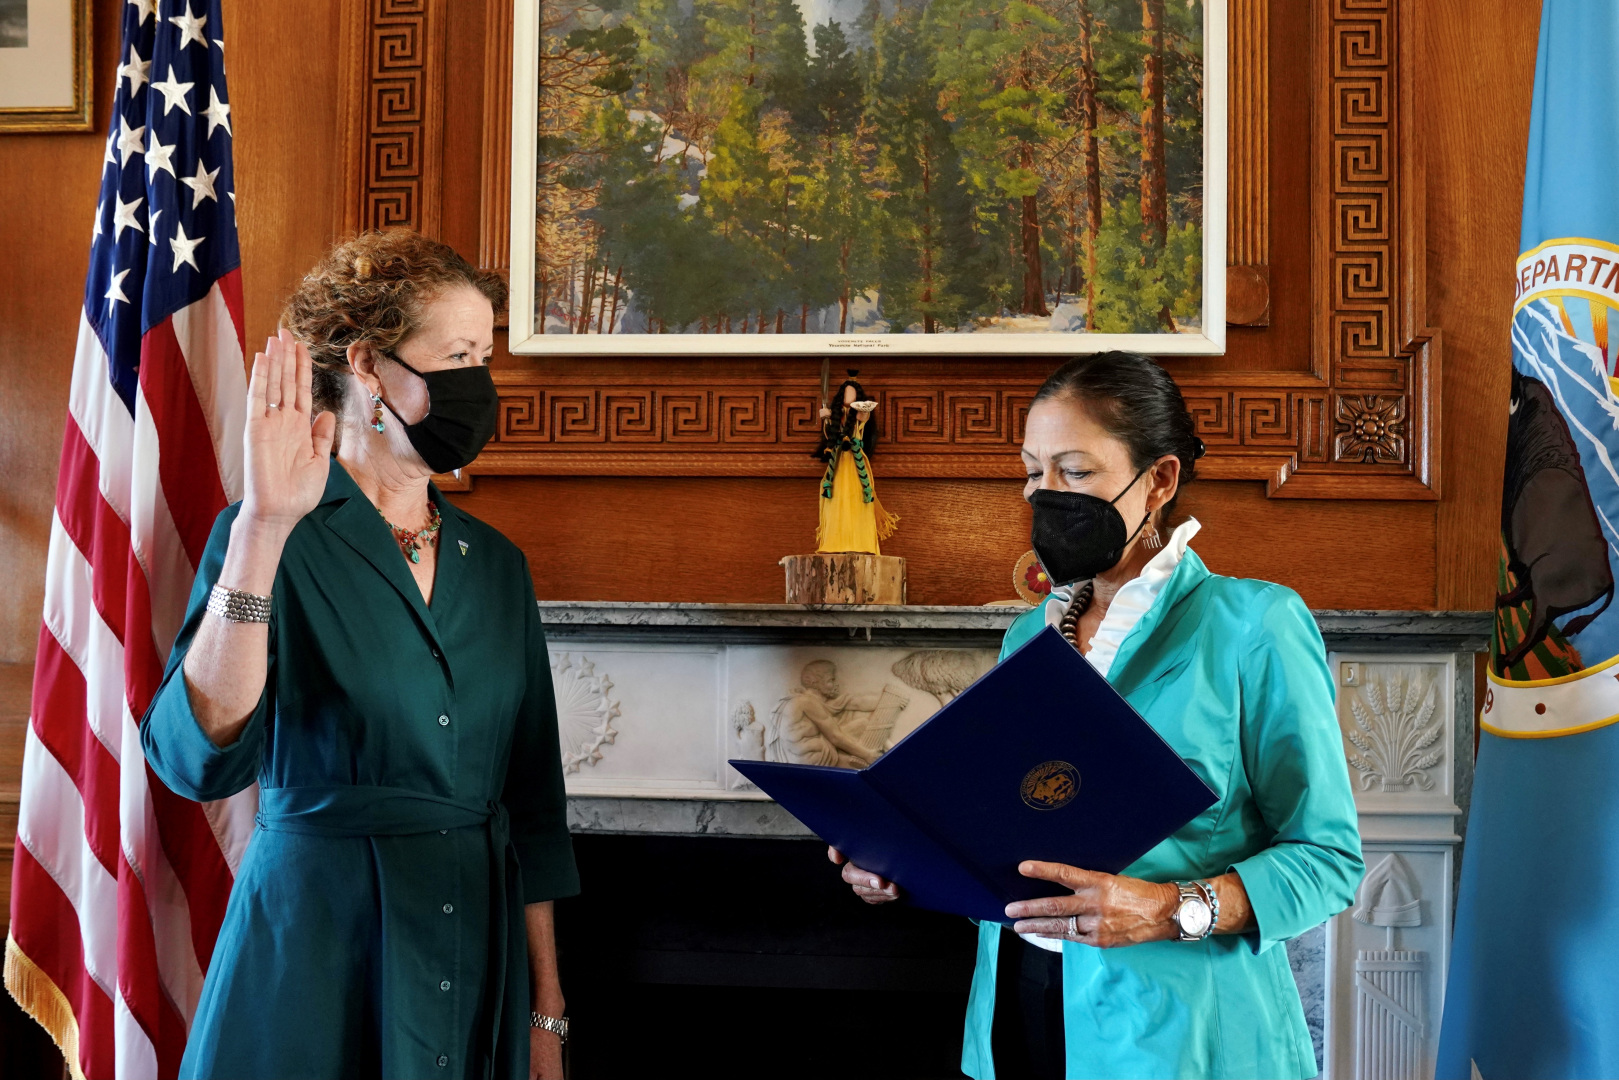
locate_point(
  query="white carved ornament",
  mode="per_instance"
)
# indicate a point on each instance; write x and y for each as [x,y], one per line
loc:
[1391,985]
[585,713]
[1394,728]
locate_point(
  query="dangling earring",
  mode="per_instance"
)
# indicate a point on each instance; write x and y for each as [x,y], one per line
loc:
[1151,537]
[376,412]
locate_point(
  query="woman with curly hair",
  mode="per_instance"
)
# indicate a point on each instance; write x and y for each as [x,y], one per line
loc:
[373,657]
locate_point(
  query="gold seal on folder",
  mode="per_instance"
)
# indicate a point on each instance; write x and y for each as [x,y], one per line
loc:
[1051,785]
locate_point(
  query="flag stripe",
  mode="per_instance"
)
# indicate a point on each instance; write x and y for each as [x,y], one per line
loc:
[101,536]
[139,983]
[188,468]
[59,709]
[161,556]
[210,338]
[50,832]
[49,936]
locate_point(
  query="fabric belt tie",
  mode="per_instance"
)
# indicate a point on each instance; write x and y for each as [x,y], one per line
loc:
[357,812]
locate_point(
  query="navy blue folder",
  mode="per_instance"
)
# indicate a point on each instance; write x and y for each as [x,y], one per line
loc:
[1039,759]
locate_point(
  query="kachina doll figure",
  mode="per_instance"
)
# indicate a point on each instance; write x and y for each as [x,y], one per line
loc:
[851,517]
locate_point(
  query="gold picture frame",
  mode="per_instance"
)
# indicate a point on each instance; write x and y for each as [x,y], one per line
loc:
[61,31]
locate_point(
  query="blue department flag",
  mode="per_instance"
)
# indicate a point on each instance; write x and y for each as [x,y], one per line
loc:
[1533,989]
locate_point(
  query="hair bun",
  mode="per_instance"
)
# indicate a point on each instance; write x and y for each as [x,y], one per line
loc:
[362,267]
[1199,448]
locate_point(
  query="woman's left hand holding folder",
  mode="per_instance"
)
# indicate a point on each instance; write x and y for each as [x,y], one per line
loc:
[1108,910]
[868,886]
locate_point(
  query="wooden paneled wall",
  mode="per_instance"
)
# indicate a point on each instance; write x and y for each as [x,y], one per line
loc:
[1379,147]
[1351,457]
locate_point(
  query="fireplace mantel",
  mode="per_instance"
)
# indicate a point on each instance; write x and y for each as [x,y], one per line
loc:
[654,698]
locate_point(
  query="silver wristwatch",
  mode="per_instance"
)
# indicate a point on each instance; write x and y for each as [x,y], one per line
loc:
[1193,914]
[557,1027]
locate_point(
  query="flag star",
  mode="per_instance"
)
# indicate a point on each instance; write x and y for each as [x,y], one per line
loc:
[123,217]
[137,71]
[201,185]
[185,248]
[129,139]
[159,158]
[190,26]
[151,237]
[217,112]
[115,292]
[174,93]
[146,8]
[111,156]
[101,212]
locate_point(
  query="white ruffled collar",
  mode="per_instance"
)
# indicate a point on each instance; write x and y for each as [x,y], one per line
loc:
[1132,601]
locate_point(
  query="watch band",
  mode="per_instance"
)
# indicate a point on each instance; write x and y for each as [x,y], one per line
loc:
[555,1025]
[1214,901]
[233,605]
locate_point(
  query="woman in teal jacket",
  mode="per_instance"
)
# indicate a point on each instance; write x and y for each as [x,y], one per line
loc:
[1173,968]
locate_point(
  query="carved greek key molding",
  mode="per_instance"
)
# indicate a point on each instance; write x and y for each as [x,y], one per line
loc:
[1360,422]
[395,131]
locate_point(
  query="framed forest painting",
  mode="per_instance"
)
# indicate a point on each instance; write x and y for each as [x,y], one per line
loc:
[820,176]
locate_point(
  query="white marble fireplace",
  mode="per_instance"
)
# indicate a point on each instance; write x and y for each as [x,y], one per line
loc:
[654,698]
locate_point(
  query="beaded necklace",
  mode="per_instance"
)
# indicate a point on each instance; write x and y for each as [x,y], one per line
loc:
[411,541]
[1077,607]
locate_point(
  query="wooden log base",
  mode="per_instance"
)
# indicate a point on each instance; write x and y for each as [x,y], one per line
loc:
[850,577]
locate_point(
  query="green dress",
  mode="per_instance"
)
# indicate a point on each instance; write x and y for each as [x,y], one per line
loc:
[1232,673]
[410,803]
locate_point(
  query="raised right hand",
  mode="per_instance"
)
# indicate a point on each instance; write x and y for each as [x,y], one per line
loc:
[287,455]
[868,886]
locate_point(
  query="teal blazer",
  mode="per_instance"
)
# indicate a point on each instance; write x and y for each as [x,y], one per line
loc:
[1233,674]
[410,804]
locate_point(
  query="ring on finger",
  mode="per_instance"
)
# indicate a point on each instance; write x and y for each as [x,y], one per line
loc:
[275,404]
[1073,926]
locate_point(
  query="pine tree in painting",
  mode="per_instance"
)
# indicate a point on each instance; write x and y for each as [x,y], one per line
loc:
[923,166]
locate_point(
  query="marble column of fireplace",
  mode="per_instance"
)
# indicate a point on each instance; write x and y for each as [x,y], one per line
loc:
[653,698]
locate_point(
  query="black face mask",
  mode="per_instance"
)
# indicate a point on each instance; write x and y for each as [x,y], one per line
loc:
[1078,536]
[462,409]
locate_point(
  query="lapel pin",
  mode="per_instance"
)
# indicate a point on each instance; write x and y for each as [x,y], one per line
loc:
[463,544]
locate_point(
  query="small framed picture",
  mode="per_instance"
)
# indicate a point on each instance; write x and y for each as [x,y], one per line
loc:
[45,65]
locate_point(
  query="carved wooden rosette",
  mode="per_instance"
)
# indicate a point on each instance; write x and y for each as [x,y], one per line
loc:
[1360,421]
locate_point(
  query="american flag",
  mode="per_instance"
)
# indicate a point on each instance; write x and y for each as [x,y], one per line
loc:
[119,886]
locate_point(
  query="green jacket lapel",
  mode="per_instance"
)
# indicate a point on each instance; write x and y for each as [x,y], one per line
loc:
[1134,661]
[359,525]
[452,559]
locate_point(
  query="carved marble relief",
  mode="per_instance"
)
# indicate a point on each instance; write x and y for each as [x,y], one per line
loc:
[1394,721]
[666,720]
[1386,966]
[585,710]
[1391,984]
[826,718]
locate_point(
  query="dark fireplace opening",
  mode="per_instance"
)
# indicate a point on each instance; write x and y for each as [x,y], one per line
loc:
[727,957]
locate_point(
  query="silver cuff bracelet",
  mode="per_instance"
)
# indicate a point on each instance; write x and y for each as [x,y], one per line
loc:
[233,605]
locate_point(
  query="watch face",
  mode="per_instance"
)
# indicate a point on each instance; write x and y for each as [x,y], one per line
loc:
[1193,916]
